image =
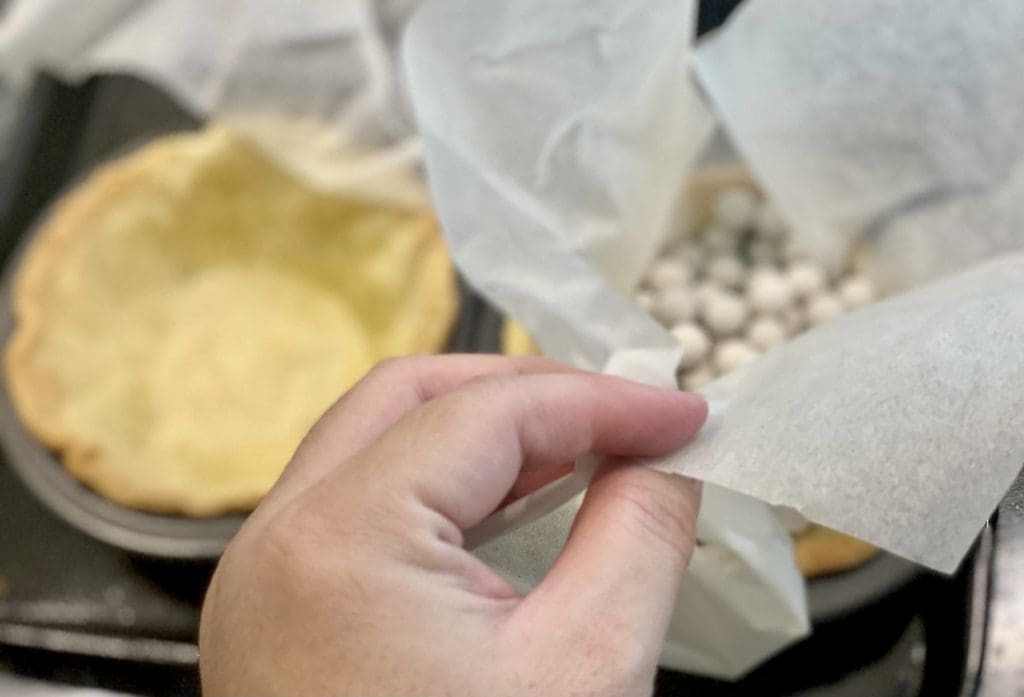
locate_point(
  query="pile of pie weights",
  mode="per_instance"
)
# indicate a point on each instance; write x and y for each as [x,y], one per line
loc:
[735,288]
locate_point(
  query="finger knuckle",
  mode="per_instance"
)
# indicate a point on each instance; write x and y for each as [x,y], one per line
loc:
[390,369]
[656,511]
[488,386]
[480,401]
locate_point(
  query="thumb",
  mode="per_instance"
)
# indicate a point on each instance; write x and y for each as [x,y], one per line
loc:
[621,569]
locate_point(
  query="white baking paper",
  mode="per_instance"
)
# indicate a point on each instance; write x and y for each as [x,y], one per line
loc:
[901,120]
[729,616]
[249,62]
[572,131]
[558,137]
[901,423]
[895,128]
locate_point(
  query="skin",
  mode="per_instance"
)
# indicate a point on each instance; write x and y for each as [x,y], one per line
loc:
[351,578]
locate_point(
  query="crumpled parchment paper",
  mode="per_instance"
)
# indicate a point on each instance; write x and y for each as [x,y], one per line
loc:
[893,128]
[558,137]
[900,121]
[279,72]
[900,423]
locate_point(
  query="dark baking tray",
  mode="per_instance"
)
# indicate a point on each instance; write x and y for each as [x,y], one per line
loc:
[70,594]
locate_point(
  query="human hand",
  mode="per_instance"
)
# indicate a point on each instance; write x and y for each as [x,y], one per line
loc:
[350,578]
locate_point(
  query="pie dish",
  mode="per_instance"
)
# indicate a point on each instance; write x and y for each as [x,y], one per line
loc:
[184,315]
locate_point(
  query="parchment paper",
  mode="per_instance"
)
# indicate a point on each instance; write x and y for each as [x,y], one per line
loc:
[255,63]
[558,137]
[576,132]
[894,126]
[897,119]
[901,423]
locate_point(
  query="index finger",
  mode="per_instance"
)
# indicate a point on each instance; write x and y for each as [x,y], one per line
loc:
[374,404]
[461,454]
